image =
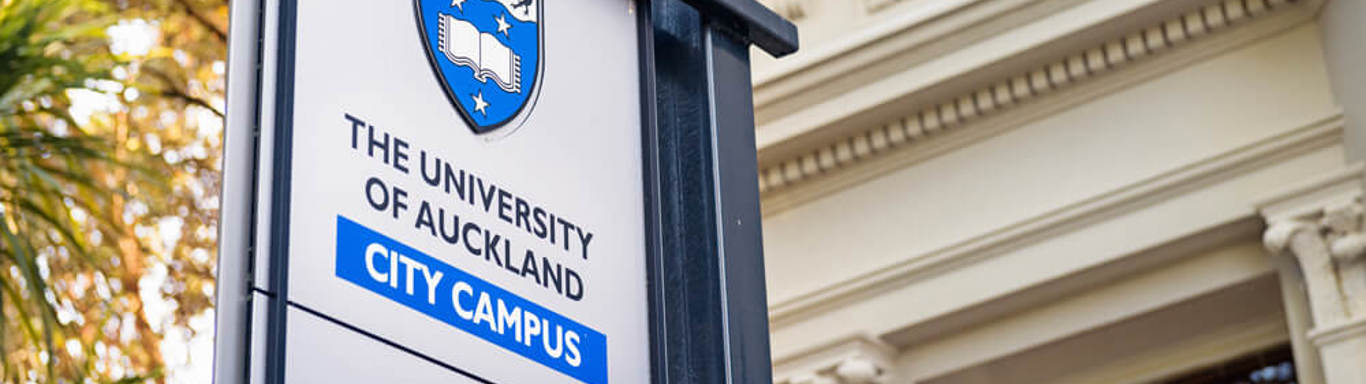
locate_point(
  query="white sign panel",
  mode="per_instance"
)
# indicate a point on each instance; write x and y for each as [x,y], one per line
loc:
[466,183]
[317,346]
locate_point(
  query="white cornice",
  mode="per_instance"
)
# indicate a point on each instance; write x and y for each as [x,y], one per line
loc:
[977,55]
[1322,132]
[802,172]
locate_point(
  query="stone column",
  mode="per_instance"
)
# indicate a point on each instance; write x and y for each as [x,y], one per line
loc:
[1299,320]
[1320,226]
[1343,22]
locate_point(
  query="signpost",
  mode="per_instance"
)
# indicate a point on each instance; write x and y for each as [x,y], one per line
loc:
[493,191]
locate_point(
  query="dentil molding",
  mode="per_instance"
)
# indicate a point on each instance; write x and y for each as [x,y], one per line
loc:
[832,157]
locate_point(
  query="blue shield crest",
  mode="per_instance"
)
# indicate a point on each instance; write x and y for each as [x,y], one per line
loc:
[486,54]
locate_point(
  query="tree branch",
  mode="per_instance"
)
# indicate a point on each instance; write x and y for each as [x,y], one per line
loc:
[174,91]
[194,14]
[176,94]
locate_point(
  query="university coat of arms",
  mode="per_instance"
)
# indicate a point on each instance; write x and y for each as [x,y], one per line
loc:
[486,54]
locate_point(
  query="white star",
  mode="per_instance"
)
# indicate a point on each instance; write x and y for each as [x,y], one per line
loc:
[458,4]
[480,104]
[503,25]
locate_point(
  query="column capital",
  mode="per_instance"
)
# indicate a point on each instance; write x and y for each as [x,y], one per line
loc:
[1278,233]
[1345,235]
[856,359]
[1340,223]
[1320,224]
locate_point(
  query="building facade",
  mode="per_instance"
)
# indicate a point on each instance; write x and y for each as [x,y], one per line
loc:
[1065,191]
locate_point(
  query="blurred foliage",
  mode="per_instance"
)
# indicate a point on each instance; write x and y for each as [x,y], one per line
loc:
[110,129]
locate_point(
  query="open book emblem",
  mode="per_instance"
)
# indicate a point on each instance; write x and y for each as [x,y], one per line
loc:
[487,56]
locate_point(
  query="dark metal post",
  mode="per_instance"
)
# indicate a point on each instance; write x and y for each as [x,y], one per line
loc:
[709,313]
[737,207]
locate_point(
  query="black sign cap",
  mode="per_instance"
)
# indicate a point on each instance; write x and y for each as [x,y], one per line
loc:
[761,26]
